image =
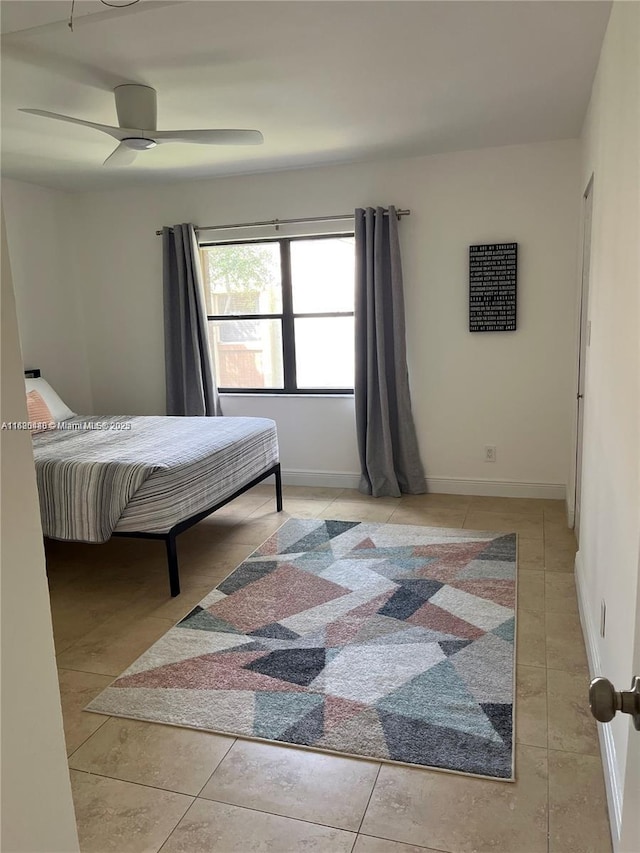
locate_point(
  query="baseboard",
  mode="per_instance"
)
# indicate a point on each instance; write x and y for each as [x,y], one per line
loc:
[607,745]
[442,485]
[331,479]
[495,488]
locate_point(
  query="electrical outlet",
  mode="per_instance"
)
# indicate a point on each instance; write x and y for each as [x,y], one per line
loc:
[603,617]
[490,453]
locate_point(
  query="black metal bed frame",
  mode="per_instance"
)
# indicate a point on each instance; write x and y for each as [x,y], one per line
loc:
[169,538]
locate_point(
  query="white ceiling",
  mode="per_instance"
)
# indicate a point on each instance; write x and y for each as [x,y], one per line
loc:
[324,81]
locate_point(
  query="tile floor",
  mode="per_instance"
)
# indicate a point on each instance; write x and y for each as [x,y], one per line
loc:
[145,787]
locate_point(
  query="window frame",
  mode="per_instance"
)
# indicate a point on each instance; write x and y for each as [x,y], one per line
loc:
[287,317]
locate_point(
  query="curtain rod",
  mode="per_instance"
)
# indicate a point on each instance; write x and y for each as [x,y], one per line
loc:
[278,222]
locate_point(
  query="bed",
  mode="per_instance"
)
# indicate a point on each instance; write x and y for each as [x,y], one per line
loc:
[149,477]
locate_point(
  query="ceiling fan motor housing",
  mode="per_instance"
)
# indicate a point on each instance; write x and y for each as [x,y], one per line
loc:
[136,106]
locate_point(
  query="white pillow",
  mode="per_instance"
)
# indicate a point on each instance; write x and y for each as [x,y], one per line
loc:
[59,410]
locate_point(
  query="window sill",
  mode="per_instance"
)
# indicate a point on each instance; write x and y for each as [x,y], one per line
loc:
[235,394]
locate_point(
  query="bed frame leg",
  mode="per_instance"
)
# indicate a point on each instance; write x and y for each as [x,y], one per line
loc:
[172,564]
[278,488]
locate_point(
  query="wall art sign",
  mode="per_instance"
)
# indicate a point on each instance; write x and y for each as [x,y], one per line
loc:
[493,272]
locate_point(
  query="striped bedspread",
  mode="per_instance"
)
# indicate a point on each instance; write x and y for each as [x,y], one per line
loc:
[143,474]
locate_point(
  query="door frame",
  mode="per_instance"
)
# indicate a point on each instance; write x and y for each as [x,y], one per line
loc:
[583,341]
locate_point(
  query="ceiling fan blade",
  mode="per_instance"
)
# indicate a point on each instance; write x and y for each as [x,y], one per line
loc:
[121,156]
[116,132]
[209,137]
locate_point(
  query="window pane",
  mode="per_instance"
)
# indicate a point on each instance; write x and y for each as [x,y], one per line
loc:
[242,279]
[322,274]
[247,353]
[324,352]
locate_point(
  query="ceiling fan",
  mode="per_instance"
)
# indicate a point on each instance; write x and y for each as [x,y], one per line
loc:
[136,107]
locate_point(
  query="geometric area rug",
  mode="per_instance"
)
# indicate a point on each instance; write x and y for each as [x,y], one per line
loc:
[387,641]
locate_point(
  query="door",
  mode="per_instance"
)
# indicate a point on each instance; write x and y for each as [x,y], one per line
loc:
[584,335]
[605,703]
[630,828]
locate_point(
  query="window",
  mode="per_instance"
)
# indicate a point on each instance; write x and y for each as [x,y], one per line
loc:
[281,314]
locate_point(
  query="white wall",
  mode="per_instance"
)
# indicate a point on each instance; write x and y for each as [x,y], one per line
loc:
[317,436]
[513,390]
[51,329]
[37,812]
[607,564]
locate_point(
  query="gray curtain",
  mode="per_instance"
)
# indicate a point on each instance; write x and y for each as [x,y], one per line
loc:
[191,389]
[387,444]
